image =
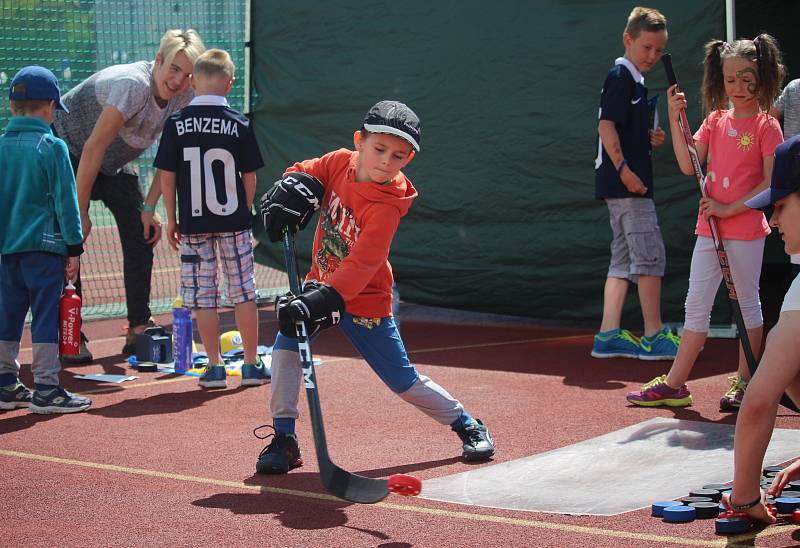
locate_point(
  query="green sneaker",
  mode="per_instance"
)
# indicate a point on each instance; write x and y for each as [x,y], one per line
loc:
[619,343]
[256,374]
[732,399]
[661,346]
[213,377]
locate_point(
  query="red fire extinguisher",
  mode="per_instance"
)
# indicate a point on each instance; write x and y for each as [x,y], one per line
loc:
[69,316]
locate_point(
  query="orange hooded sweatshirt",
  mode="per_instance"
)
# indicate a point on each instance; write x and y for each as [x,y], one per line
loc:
[356,225]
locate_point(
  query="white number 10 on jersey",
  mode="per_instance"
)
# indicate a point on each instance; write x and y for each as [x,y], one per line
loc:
[209,187]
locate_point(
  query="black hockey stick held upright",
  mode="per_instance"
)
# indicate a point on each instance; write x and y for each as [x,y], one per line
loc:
[337,481]
[722,255]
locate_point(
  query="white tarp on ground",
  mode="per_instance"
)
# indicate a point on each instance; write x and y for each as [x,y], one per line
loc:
[659,459]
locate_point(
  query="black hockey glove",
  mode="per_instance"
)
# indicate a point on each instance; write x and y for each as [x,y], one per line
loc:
[318,306]
[285,321]
[290,202]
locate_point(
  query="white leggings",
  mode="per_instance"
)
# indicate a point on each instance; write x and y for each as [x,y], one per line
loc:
[705,275]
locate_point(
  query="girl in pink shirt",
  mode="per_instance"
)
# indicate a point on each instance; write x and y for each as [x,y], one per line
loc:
[737,141]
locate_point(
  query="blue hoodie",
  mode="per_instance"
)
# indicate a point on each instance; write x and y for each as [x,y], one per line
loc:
[37,191]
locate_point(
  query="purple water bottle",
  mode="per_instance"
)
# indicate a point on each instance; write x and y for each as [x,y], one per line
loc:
[181,335]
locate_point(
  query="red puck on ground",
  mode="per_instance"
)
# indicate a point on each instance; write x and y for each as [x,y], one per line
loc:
[405,485]
[731,514]
[773,511]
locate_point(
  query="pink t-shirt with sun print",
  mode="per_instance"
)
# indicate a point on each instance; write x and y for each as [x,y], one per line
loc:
[734,166]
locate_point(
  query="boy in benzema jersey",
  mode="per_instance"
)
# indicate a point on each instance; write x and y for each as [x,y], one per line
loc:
[209,154]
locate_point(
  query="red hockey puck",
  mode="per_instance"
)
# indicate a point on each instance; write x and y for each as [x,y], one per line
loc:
[730,514]
[405,485]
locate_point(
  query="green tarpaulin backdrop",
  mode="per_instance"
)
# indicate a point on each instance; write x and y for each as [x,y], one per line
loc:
[508,94]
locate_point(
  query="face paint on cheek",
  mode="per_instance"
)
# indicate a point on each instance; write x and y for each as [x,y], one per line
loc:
[752,86]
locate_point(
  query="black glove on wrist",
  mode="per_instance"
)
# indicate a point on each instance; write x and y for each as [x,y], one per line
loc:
[290,202]
[285,321]
[319,307]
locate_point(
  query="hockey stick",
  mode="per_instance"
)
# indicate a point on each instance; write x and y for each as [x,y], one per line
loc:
[722,255]
[336,480]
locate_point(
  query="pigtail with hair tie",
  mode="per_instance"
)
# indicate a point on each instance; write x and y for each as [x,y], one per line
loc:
[756,44]
[760,68]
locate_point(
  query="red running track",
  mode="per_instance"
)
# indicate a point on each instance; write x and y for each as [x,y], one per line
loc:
[160,462]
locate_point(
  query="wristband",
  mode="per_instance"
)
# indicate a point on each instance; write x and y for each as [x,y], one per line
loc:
[148,207]
[622,165]
[743,507]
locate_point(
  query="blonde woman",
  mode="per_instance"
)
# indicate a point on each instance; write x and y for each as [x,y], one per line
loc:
[114,116]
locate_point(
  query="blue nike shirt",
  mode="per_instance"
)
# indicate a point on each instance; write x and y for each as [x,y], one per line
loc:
[623,101]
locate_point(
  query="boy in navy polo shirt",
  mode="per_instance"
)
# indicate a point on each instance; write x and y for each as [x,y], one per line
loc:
[624,179]
[209,153]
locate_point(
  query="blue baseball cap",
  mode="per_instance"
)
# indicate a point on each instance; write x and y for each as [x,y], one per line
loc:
[35,83]
[394,118]
[785,175]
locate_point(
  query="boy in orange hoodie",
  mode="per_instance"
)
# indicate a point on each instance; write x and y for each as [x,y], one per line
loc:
[362,194]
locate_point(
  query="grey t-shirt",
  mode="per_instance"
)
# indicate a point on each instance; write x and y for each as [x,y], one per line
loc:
[789,105]
[128,88]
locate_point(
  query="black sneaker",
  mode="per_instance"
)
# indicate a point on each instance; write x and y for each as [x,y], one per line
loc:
[58,400]
[478,444]
[15,395]
[281,455]
[83,355]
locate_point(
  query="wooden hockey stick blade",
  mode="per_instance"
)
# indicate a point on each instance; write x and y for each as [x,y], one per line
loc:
[336,480]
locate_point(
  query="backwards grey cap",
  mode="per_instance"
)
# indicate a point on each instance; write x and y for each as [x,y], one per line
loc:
[395,118]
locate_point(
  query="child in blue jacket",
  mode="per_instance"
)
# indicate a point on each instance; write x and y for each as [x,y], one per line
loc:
[40,242]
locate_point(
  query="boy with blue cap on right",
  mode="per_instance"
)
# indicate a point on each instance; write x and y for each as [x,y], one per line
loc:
[39,232]
[779,369]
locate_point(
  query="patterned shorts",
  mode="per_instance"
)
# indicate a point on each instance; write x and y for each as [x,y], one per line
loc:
[199,287]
